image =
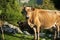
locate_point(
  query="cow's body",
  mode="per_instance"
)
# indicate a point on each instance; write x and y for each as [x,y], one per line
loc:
[41,18]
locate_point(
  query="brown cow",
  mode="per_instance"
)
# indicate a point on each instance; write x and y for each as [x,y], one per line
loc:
[38,18]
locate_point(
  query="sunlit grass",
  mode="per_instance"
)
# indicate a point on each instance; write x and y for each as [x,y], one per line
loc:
[20,37]
[17,37]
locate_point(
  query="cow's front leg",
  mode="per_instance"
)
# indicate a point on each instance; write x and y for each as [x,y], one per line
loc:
[35,36]
[38,33]
[58,31]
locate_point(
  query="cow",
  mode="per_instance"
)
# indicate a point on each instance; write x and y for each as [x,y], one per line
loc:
[38,18]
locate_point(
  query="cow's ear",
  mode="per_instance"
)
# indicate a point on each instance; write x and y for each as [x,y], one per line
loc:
[32,9]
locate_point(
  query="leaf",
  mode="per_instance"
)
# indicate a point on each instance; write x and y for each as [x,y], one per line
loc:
[0,12]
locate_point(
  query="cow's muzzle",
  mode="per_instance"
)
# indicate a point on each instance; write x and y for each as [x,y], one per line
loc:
[27,17]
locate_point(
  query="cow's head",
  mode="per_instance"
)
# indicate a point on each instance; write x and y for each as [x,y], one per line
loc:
[27,11]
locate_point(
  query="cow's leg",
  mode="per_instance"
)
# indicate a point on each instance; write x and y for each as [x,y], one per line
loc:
[55,31]
[35,37]
[58,31]
[55,34]
[37,33]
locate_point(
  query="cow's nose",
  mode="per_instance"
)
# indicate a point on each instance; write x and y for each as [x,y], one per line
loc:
[27,17]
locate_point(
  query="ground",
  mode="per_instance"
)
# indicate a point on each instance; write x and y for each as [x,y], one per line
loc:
[20,37]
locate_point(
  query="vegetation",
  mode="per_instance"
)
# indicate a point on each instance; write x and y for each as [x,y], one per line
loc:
[20,37]
[44,4]
[48,4]
[17,37]
[10,11]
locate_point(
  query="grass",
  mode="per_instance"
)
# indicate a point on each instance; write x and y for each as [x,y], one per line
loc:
[20,37]
[17,37]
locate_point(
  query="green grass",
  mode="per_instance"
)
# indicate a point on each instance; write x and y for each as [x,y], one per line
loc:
[20,37]
[17,37]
